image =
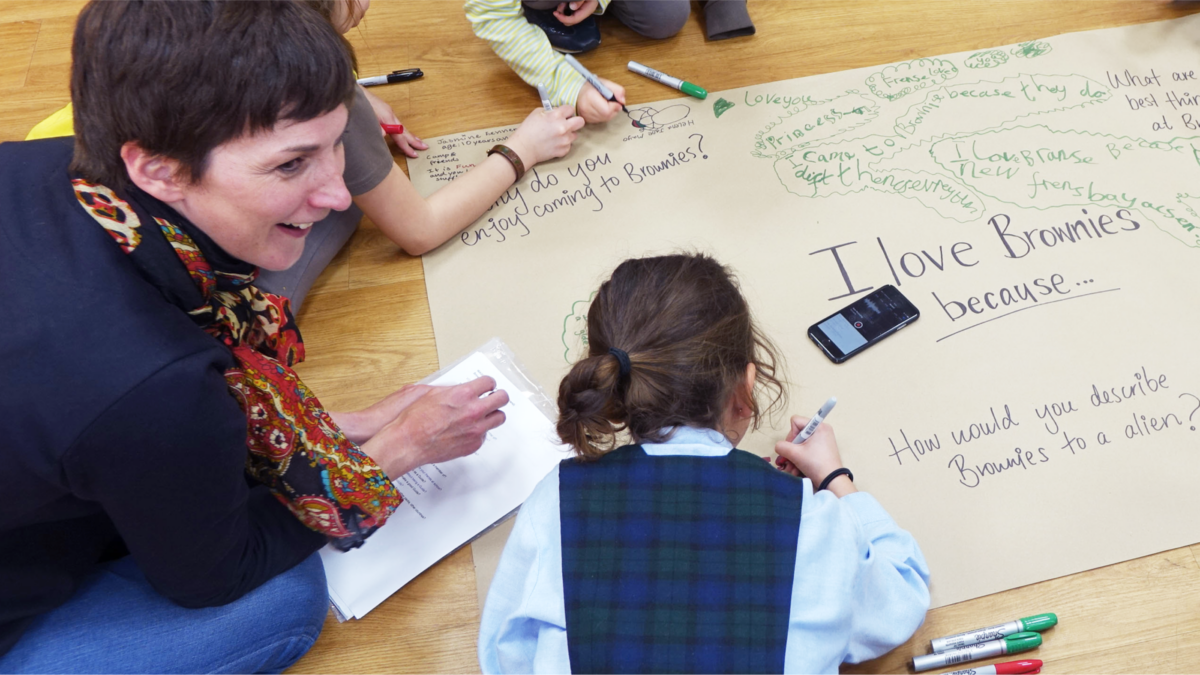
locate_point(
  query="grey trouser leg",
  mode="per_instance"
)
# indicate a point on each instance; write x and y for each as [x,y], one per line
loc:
[328,236]
[726,19]
[654,19]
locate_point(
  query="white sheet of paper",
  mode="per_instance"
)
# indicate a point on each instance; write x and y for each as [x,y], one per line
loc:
[446,505]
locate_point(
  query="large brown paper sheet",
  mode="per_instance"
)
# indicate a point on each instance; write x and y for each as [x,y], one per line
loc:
[1039,204]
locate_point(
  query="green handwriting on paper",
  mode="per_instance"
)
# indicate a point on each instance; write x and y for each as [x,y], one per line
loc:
[898,161]
[902,79]
[811,120]
[1040,168]
[574,333]
[986,59]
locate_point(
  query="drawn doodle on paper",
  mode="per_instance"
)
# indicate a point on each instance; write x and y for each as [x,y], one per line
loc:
[574,333]
[654,120]
[986,59]
[810,120]
[720,106]
[896,158]
[1030,50]
[902,79]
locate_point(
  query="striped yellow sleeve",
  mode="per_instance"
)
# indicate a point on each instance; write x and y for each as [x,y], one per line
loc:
[524,47]
[59,123]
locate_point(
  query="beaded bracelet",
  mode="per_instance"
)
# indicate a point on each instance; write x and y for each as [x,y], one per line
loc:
[508,153]
[834,474]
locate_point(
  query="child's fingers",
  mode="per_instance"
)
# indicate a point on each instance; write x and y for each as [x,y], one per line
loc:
[798,424]
[403,144]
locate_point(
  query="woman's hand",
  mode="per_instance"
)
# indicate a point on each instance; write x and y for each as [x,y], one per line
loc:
[815,458]
[582,10]
[362,425]
[594,108]
[435,424]
[545,135]
[407,141]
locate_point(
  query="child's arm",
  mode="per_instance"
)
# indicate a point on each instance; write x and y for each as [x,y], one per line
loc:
[892,593]
[420,225]
[525,47]
[523,628]
[861,584]
[873,572]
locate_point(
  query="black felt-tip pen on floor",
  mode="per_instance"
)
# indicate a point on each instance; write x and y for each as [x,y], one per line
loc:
[392,77]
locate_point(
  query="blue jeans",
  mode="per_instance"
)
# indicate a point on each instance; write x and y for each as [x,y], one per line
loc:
[117,623]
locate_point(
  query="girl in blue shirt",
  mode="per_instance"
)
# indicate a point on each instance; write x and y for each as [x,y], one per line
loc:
[677,552]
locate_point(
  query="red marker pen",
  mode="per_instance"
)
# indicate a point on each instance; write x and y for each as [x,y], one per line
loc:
[1028,667]
[392,128]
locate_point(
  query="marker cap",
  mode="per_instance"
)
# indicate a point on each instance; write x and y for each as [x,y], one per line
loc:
[1022,642]
[692,90]
[1027,667]
[1040,622]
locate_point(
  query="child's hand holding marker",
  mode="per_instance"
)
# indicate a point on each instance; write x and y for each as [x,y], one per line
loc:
[592,105]
[599,100]
[815,454]
[545,134]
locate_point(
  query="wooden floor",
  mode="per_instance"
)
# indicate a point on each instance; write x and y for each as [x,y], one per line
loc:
[367,322]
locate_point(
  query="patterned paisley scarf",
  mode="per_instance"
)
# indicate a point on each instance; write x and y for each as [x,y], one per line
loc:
[295,449]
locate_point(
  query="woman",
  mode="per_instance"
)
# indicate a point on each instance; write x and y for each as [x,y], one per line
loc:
[169,477]
[385,195]
[379,188]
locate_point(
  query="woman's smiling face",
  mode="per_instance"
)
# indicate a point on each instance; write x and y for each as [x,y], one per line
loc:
[261,193]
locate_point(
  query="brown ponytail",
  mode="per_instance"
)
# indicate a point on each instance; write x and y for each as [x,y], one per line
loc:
[689,336]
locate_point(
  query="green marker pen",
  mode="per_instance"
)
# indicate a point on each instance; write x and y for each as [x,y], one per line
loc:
[1037,622]
[686,87]
[1020,642]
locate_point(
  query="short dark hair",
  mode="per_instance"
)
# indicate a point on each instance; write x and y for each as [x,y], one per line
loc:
[325,9]
[689,336]
[181,78]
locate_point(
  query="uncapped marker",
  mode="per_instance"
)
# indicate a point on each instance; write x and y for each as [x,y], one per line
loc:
[594,81]
[545,98]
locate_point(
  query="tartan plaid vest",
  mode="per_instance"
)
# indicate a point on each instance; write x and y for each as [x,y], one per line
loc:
[677,564]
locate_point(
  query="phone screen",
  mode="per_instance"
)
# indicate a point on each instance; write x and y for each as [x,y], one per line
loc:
[863,323]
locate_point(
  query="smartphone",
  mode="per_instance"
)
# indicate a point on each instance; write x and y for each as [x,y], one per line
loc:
[861,324]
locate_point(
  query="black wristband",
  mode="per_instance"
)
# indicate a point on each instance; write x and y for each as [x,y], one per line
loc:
[834,474]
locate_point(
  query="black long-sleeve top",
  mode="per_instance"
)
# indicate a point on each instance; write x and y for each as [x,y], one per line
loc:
[118,430]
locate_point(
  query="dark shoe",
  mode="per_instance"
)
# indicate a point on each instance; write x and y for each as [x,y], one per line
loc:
[582,37]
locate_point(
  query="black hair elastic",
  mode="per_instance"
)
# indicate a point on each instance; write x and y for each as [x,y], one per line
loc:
[622,360]
[834,474]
